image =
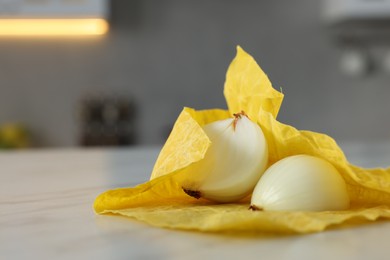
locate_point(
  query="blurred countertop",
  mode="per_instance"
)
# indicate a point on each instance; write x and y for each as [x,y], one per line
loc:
[46,199]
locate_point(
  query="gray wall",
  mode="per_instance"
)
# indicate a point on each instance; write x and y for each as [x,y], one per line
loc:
[174,53]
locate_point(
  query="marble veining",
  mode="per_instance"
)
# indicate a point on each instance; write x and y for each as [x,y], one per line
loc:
[46,212]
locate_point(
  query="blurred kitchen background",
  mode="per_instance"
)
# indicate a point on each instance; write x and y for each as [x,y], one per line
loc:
[127,86]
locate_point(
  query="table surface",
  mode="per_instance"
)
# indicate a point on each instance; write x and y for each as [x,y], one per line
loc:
[46,199]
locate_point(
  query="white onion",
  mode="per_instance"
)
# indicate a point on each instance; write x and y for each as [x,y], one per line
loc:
[234,162]
[300,183]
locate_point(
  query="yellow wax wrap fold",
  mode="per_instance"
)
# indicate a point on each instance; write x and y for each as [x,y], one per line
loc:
[161,201]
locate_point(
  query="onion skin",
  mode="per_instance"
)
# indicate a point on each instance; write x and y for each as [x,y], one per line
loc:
[300,183]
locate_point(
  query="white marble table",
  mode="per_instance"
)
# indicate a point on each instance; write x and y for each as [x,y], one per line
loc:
[46,212]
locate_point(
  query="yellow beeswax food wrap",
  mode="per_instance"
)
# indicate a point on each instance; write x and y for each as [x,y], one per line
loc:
[161,201]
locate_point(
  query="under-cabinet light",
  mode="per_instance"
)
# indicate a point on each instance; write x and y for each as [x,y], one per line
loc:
[52,27]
